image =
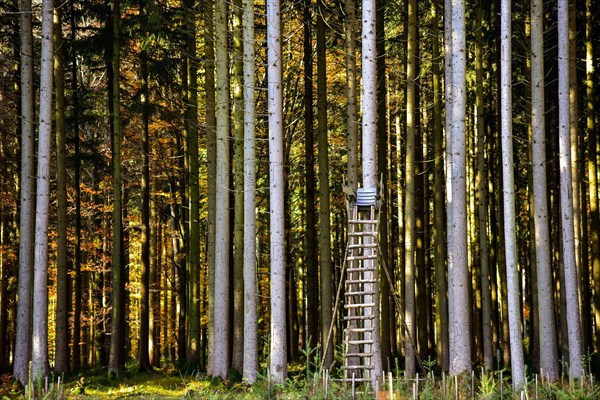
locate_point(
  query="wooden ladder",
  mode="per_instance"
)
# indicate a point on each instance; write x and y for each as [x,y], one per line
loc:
[361,286]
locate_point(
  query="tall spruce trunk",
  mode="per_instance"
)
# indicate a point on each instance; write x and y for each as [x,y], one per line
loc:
[27,198]
[325,266]
[369,153]
[237,356]
[61,361]
[410,315]
[278,345]
[566,196]
[39,340]
[250,365]
[222,240]
[116,360]
[546,317]
[508,194]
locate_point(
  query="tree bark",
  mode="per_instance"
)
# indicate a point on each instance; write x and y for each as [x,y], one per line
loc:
[27,199]
[458,272]
[61,360]
[222,245]
[482,204]
[278,348]
[369,153]
[508,194]
[546,317]
[117,339]
[238,232]
[324,203]
[566,195]
[410,315]
[250,304]
[39,340]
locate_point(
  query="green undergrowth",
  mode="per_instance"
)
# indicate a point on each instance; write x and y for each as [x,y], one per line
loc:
[305,381]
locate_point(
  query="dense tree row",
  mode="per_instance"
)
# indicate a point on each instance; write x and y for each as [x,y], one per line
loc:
[173,182]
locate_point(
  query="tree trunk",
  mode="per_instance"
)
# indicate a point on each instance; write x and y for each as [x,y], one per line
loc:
[439,204]
[278,348]
[222,244]
[566,195]
[369,153]
[39,340]
[458,272]
[592,164]
[546,318]
[352,107]
[193,244]
[250,304]
[508,194]
[237,361]
[76,358]
[482,206]
[324,203]
[211,156]
[61,361]
[27,199]
[310,238]
[117,343]
[410,316]
[145,238]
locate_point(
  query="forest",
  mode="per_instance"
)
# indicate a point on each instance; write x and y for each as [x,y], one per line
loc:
[183,185]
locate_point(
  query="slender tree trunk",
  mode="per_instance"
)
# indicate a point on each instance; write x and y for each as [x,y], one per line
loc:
[211,128]
[238,233]
[61,361]
[278,348]
[439,204]
[222,244]
[250,304]
[39,340]
[324,203]
[351,94]
[410,316]
[369,153]
[566,195]
[77,183]
[546,318]
[387,305]
[482,206]
[27,199]
[458,272]
[117,343]
[193,244]
[144,332]
[310,238]
[508,194]
[592,163]
[574,133]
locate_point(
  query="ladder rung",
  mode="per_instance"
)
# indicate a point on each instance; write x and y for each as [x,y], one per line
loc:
[363,293]
[355,281]
[357,367]
[359,342]
[358,317]
[372,233]
[362,245]
[368,257]
[363,221]
[361,269]
[360,330]
[359,305]
[359,355]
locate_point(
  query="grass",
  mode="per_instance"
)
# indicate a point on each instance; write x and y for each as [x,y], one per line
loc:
[303,383]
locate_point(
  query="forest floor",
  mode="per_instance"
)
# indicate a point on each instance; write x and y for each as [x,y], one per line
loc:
[172,384]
